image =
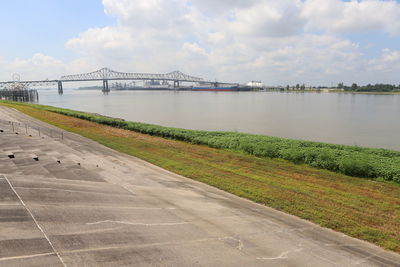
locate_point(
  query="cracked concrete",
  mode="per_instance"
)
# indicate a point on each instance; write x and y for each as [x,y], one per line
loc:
[98,207]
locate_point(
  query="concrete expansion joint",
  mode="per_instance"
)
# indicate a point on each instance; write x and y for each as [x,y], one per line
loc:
[27,256]
[300,229]
[363,260]
[341,245]
[138,223]
[64,190]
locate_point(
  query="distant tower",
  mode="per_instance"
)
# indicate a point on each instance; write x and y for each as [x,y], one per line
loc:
[16,77]
[17,85]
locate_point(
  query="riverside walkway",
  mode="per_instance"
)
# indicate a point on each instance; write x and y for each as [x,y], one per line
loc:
[68,201]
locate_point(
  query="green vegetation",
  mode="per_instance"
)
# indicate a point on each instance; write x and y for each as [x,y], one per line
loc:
[362,208]
[370,88]
[350,160]
[341,87]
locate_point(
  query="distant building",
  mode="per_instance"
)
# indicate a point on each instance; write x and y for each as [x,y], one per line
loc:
[17,86]
[255,84]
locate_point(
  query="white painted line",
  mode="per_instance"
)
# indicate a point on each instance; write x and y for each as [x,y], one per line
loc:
[27,256]
[36,222]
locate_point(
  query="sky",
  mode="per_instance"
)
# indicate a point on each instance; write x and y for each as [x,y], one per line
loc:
[278,42]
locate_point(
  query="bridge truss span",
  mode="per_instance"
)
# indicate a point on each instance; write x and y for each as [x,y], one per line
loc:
[4,85]
[104,75]
[108,74]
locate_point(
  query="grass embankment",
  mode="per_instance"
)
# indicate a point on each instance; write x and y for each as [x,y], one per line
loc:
[350,160]
[361,208]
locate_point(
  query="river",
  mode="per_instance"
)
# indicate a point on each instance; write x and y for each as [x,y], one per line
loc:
[352,119]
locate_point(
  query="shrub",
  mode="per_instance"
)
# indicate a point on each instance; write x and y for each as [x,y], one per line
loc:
[355,166]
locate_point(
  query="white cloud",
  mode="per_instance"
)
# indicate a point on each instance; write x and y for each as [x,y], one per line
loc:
[312,59]
[39,66]
[238,40]
[269,18]
[388,64]
[277,41]
[156,14]
[353,16]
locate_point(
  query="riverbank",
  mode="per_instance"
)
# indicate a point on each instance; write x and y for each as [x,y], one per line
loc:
[379,164]
[340,92]
[361,208]
[369,93]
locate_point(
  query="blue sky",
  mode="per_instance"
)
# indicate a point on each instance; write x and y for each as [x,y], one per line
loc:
[44,26]
[276,41]
[372,43]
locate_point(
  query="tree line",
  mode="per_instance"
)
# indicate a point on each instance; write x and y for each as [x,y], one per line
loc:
[379,87]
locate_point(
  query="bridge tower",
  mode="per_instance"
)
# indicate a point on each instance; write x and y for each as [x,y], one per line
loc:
[105,90]
[176,83]
[60,88]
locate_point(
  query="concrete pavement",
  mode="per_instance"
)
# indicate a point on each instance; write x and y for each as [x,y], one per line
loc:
[82,204]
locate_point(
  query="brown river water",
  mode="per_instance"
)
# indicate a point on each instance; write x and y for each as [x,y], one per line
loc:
[352,119]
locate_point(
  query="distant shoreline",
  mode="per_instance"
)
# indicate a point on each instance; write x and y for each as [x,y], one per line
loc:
[336,91]
[284,91]
[370,93]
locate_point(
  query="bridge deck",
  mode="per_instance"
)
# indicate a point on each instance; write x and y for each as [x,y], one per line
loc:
[106,74]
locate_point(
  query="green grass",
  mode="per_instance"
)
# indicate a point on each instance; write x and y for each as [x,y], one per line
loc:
[362,208]
[350,160]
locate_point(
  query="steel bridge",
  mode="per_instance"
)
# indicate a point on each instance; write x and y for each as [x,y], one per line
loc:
[105,75]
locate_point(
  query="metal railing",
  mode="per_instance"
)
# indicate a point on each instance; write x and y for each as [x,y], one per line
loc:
[30,129]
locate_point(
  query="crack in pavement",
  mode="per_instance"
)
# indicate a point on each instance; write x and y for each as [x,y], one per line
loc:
[283,255]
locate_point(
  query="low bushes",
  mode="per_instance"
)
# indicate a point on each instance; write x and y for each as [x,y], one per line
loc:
[349,160]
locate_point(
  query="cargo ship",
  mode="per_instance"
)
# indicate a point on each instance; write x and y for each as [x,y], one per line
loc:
[217,87]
